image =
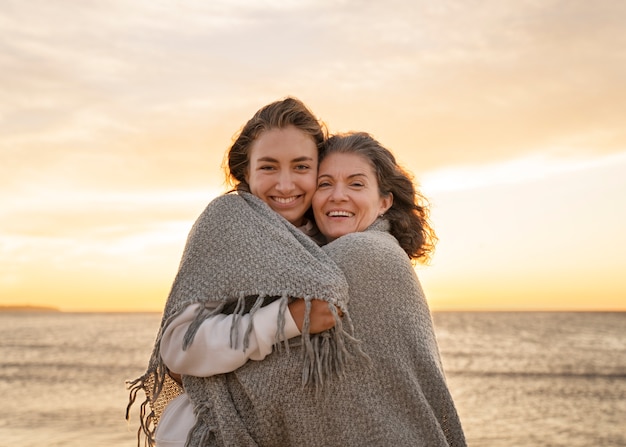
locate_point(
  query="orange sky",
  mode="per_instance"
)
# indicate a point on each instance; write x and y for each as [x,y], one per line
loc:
[114,118]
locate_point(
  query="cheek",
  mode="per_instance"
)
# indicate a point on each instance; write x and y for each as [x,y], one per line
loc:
[256,183]
[309,183]
[317,203]
[251,182]
[370,212]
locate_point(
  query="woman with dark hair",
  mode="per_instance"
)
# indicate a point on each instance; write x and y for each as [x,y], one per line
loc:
[377,225]
[251,277]
[408,213]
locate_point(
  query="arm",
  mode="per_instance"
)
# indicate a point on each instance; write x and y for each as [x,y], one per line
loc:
[210,352]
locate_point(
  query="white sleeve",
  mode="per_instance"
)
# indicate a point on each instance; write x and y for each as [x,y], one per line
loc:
[210,352]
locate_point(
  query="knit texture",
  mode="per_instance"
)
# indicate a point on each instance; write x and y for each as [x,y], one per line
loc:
[243,255]
[399,397]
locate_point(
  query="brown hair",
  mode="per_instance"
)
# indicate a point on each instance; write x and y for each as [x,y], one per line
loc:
[408,215]
[277,115]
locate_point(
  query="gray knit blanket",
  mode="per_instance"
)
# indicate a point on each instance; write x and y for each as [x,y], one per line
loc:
[243,255]
[399,397]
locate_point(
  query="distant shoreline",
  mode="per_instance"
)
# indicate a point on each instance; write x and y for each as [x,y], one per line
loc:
[27,308]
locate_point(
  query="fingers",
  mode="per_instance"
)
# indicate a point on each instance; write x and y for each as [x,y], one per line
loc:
[321,315]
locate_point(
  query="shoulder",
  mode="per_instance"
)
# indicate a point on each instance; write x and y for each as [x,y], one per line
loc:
[372,261]
[222,207]
[378,247]
[241,208]
[216,216]
[354,241]
[224,201]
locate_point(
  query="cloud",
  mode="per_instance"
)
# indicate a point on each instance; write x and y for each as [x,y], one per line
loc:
[474,80]
[72,211]
[530,168]
[114,117]
[150,93]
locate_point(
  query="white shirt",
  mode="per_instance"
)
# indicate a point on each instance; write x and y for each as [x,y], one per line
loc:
[210,352]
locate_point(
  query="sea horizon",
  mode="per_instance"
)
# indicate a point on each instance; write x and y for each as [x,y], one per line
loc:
[37,308]
[528,379]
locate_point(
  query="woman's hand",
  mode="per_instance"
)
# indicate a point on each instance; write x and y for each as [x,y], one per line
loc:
[321,316]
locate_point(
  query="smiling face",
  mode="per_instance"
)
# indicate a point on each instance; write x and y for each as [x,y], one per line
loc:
[347,197]
[282,171]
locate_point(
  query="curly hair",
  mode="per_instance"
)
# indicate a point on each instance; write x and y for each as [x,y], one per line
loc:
[409,213]
[277,115]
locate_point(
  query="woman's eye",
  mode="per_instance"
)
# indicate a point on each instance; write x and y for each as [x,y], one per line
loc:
[323,184]
[266,168]
[302,167]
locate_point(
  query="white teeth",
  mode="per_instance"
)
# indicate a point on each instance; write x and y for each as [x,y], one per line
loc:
[285,200]
[340,214]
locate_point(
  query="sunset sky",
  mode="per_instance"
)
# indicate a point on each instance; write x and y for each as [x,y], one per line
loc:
[115,115]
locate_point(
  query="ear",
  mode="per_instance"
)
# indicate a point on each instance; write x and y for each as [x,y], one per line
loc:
[386,203]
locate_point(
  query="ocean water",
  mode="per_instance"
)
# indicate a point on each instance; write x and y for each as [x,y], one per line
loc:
[537,379]
[518,379]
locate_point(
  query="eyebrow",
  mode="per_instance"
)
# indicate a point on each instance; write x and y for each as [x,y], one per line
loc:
[295,160]
[351,176]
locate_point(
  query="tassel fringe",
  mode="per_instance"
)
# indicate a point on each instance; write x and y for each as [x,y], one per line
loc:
[324,355]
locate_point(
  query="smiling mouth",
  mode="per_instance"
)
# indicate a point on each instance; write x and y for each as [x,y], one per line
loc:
[285,200]
[339,214]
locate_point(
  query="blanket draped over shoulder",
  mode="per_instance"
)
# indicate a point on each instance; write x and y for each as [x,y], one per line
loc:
[243,255]
[398,397]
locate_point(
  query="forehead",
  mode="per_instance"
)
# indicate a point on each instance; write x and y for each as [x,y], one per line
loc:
[346,164]
[283,144]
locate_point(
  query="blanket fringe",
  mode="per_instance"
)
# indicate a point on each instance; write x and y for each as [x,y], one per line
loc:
[280,330]
[202,429]
[146,420]
[325,354]
[160,390]
[257,304]
[203,314]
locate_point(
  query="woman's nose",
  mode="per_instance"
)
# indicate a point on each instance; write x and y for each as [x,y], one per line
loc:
[285,182]
[338,194]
